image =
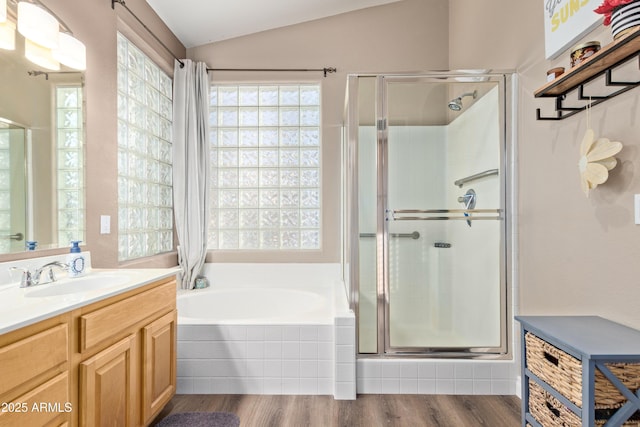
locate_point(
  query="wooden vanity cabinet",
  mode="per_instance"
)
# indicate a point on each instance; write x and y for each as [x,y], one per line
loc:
[111,363]
[34,374]
[127,350]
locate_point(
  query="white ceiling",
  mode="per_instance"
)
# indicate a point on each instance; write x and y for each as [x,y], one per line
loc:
[197,22]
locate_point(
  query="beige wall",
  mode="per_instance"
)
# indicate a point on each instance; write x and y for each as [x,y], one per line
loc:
[576,255]
[95,23]
[406,36]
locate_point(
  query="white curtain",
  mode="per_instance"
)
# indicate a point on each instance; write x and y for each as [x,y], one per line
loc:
[191,166]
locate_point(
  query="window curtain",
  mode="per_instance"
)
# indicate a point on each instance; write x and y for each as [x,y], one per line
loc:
[191,166]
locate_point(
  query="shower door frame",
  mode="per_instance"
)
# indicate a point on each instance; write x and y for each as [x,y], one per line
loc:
[506,101]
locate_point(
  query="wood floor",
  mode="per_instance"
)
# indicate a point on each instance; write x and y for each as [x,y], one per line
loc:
[368,410]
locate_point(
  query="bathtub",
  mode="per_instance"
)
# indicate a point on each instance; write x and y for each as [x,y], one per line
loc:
[256,305]
[267,329]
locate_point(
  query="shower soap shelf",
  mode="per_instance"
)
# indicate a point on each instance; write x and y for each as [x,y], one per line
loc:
[602,63]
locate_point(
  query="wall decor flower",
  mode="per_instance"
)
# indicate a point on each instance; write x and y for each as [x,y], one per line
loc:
[596,160]
[608,7]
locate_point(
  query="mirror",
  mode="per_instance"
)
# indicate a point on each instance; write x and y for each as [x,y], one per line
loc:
[41,153]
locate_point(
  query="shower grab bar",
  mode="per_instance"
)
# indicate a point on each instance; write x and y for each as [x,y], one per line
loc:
[467,214]
[488,172]
[415,235]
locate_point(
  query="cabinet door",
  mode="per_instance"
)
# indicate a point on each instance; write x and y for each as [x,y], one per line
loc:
[107,382]
[159,369]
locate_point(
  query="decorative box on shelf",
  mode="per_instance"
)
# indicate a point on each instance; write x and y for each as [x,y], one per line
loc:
[579,371]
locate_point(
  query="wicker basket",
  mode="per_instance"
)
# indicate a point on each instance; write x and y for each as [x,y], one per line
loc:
[560,370]
[563,372]
[548,411]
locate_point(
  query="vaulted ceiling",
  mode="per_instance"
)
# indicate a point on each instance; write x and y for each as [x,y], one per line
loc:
[197,22]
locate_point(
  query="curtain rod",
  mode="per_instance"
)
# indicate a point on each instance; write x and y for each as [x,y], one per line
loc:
[326,70]
[36,73]
[121,3]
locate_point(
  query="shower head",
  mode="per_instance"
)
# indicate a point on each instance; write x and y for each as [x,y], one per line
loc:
[456,104]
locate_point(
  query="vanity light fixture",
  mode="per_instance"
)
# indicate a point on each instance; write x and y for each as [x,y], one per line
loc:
[38,25]
[49,42]
[7,35]
[40,55]
[71,52]
[7,29]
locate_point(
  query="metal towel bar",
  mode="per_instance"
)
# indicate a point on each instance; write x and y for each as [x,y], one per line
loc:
[415,235]
[463,214]
[488,172]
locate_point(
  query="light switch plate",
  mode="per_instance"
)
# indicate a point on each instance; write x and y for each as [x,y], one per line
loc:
[636,206]
[105,224]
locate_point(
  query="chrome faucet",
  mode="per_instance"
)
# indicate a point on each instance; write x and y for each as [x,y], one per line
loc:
[32,279]
[469,201]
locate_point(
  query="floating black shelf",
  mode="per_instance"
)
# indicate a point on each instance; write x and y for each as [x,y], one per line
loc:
[602,63]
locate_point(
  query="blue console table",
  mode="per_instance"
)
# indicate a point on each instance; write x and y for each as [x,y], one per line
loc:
[594,342]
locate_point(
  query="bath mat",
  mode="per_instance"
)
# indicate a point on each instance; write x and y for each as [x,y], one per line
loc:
[200,419]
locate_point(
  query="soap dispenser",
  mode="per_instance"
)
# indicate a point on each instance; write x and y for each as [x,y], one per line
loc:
[75,260]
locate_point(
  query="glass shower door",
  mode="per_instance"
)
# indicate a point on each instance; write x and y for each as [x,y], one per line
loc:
[444,240]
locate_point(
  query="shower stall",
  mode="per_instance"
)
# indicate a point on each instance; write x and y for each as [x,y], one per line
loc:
[427,217]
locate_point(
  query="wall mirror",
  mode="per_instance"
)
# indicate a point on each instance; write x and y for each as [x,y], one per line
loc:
[41,152]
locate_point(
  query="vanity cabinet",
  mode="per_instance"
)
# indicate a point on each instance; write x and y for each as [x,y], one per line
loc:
[579,371]
[127,346]
[112,362]
[34,374]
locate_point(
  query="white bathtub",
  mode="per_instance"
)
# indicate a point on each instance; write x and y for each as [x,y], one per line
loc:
[248,305]
[267,329]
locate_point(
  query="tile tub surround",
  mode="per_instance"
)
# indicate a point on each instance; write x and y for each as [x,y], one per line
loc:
[255,359]
[268,359]
[432,376]
[308,358]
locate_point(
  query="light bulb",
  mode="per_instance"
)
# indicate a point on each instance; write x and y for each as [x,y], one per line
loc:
[7,35]
[71,52]
[3,11]
[38,25]
[40,55]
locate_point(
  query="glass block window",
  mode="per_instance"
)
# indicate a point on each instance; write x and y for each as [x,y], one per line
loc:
[70,158]
[265,156]
[145,110]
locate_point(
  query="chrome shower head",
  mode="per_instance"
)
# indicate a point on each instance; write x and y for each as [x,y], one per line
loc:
[456,104]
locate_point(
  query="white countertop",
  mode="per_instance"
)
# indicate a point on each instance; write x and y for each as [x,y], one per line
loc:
[18,308]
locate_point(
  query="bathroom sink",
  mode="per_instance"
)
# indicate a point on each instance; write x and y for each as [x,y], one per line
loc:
[78,285]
